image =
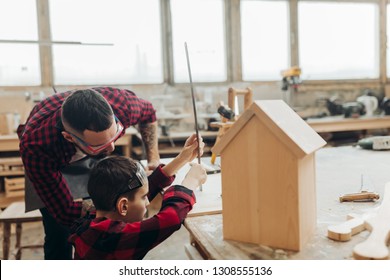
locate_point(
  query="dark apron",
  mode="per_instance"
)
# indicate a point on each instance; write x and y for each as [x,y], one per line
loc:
[76,175]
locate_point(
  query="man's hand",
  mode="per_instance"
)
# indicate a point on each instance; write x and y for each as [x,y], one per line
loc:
[87,207]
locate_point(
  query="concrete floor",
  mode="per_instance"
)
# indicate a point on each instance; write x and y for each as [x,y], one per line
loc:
[170,249]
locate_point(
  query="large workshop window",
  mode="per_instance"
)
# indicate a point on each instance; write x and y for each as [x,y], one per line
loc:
[338,40]
[264,39]
[19,62]
[133,27]
[200,23]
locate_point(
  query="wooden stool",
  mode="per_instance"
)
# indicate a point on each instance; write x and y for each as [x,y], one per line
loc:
[14,213]
[233,93]
[224,124]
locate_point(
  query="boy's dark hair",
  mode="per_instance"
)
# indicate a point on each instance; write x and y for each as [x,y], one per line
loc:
[87,109]
[109,179]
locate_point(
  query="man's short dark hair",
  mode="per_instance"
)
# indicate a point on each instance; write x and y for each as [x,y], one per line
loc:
[109,179]
[87,109]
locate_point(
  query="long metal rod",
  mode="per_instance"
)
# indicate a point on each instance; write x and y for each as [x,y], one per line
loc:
[193,99]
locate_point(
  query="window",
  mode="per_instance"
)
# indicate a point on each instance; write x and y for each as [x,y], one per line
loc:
[200,23]
[19,63]
[338,40]
[264,39]
[133,27]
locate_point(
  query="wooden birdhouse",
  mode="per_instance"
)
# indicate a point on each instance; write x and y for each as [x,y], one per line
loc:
[268,177]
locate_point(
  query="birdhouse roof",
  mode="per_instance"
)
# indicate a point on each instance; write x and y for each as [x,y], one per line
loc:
[281,120]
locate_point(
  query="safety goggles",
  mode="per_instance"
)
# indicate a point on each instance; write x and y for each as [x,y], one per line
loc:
[94,150]
[135,182]
[139,179]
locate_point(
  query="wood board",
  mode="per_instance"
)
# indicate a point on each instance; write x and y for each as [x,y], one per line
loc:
[375,246]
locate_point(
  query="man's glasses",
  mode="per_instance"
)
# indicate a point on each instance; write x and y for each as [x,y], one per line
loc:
[94,150]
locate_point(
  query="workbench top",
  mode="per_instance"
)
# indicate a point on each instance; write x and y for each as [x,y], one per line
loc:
[338,171]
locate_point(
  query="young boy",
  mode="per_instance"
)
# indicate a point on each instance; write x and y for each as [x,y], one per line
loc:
[120,191]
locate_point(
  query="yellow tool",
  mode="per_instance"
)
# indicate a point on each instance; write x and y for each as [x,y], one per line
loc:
[291,77]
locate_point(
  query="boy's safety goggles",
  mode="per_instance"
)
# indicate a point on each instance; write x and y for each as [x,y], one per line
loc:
[135,182]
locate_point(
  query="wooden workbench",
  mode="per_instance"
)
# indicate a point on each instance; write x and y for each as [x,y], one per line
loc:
[338,172]
[339,123]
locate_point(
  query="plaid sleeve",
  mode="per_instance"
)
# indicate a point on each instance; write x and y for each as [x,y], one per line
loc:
[50,185]
[157,181]
[177,202]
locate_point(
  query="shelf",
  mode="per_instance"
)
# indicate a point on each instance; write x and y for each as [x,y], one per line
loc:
[11,173]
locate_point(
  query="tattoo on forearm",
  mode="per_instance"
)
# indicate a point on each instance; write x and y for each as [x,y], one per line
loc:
[149,137]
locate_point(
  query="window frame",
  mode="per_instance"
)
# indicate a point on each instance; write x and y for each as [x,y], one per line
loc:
[233,49]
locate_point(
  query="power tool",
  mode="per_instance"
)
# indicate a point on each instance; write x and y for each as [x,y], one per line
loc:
[375,143]
[291,78]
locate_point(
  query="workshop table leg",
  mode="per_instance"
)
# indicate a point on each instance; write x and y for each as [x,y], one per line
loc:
[18,251]
[6,239]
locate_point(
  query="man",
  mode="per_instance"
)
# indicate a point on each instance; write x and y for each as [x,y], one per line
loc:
[62,131]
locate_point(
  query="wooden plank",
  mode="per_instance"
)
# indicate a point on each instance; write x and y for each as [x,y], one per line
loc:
[11,173]
[375,246]
[11,161]
[307,199]
[9,143]
[339,123]
[6,201]
[14,186]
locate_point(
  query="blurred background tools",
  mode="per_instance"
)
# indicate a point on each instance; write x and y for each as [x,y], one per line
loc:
[375,143]
[291,77]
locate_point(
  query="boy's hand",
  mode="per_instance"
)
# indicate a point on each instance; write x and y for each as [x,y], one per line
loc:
[152,165]
[195,177]
[190,149]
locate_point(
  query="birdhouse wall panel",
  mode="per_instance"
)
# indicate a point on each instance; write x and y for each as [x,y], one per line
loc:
[307,197]
[260,194]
